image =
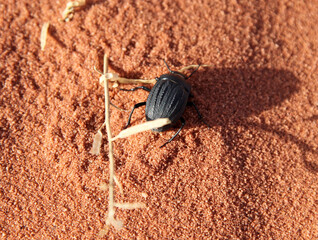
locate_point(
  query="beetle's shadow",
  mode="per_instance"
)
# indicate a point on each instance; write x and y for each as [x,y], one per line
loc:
[230,96]
[234,94]
[228,99]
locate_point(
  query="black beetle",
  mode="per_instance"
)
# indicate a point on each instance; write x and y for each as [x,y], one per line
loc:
[167,99]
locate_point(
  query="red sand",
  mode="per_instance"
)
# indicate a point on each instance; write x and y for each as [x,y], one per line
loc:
[252,175]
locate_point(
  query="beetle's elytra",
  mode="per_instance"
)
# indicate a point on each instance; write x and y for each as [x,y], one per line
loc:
[167,99]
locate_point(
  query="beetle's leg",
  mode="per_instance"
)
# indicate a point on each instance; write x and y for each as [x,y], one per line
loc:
[182,125]
[132,111]
[134,89]
[200,116]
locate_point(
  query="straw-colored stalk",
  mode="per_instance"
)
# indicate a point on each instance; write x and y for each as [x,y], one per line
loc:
[116,79]
[95,150]
[111,211]
[160,122]
[68,13]
[44,33]
[192,66]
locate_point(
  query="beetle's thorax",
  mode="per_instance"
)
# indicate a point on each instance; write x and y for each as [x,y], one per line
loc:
[177,78]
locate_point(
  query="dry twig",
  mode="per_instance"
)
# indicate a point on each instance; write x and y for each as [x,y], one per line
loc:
[192,66]
[68,13]
[160,122]
[116,79]
[95,150]
[44,33]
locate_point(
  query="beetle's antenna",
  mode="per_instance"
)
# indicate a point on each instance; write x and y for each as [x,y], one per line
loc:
[193,72]
[168,67]
[175,72]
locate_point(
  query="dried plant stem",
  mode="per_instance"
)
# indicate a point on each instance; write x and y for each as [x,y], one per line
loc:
[160,122]
[111,210]
[68,13]
[117,79]
[44,33]
[133,81]
[97,141]
[130,206]
[112,178]
[121,190]
[192,66]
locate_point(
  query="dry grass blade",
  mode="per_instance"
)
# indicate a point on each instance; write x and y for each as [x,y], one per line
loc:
[97,143]
[116,223]
[115,78]
[111,211]
[119,185]
[133,81]
[44,33]
[130,205]
[104,186]
[192,66]
[68,13]
[143,127]
[95,150]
